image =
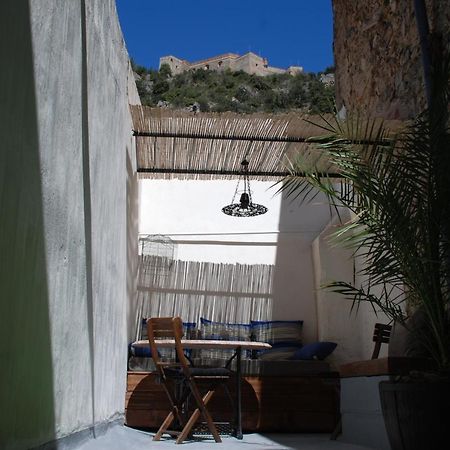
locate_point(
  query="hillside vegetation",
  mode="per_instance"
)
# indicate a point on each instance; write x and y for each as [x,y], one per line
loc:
[233,91]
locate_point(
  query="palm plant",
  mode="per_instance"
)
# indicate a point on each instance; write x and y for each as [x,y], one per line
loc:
[397,187]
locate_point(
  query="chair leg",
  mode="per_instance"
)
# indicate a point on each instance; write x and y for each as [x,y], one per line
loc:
[207,416]
[189,424]
[165,425]
[177,406]
[201,409]
[337,430]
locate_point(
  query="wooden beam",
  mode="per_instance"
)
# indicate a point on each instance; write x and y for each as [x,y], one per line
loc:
[226,137]
[254,173]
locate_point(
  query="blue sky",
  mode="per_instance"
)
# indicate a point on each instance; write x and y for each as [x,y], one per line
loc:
[287,32]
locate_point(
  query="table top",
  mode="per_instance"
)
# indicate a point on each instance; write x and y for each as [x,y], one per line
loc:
[207,344]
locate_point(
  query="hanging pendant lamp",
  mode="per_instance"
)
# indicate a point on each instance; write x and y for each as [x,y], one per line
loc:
[245,207]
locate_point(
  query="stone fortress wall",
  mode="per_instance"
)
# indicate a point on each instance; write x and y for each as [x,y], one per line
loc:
[249,62]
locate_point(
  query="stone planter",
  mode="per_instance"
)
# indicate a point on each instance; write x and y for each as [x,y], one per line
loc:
[416,414]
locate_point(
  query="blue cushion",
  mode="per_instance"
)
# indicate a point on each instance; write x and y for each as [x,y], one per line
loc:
[315,350]
[141,351]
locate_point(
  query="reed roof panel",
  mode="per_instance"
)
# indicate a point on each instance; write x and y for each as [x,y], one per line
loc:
[182,144]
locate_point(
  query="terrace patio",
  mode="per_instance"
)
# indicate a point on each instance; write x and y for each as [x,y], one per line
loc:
[236,270]
[78,188]
[119,438]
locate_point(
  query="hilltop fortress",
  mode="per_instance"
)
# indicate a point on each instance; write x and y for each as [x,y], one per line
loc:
[250,63]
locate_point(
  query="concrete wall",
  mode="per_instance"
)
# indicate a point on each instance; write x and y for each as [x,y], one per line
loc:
[68,197]
[189,212]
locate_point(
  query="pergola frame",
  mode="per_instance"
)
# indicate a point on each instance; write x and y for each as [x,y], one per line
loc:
[173,143]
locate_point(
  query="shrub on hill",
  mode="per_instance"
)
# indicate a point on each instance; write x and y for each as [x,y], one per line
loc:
[234,91]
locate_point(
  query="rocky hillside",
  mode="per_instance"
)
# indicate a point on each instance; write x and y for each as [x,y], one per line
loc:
[207,90]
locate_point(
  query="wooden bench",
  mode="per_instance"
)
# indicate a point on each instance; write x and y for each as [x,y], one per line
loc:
[307,403]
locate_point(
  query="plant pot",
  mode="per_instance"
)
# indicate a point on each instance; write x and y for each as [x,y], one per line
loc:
[416,414]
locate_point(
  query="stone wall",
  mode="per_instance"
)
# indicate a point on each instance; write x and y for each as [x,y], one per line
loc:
[249,62]
[377,55]
[176,65]
[68,235]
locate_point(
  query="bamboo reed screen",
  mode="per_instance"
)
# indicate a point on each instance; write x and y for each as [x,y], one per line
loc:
[210,145]
[190,289]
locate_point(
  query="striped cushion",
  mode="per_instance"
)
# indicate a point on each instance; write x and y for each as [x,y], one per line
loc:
[278,353]
[168,354]
[278,332]
[222,331]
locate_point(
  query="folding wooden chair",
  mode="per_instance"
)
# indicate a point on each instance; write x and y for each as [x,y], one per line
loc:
[381,335]
[180,381]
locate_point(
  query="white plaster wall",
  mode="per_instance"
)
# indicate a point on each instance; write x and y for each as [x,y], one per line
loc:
[189,212]
[68,193]
[351,329]
[367,317]
[294,283]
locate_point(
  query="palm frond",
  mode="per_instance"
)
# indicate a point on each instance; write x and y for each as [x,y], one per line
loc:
[397,188]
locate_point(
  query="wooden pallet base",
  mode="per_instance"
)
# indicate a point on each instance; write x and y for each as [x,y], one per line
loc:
[269,403]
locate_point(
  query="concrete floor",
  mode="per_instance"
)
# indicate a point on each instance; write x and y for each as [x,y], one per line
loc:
[123,438]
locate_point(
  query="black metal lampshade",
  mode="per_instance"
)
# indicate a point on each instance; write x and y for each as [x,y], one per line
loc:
[245,207]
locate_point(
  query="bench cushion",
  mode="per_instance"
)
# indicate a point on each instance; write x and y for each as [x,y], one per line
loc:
[315,350]
[277,333]
[288,368]
[222,331]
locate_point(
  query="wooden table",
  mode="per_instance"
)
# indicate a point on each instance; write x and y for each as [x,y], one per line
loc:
[237,346]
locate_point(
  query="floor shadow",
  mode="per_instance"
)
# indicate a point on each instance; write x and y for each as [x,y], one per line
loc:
[26,387]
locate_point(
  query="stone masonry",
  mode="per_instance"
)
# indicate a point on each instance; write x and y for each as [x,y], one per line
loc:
[378,56]
[249,62]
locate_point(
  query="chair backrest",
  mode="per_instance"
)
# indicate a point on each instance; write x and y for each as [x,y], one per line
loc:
[381,335]
[166,328]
